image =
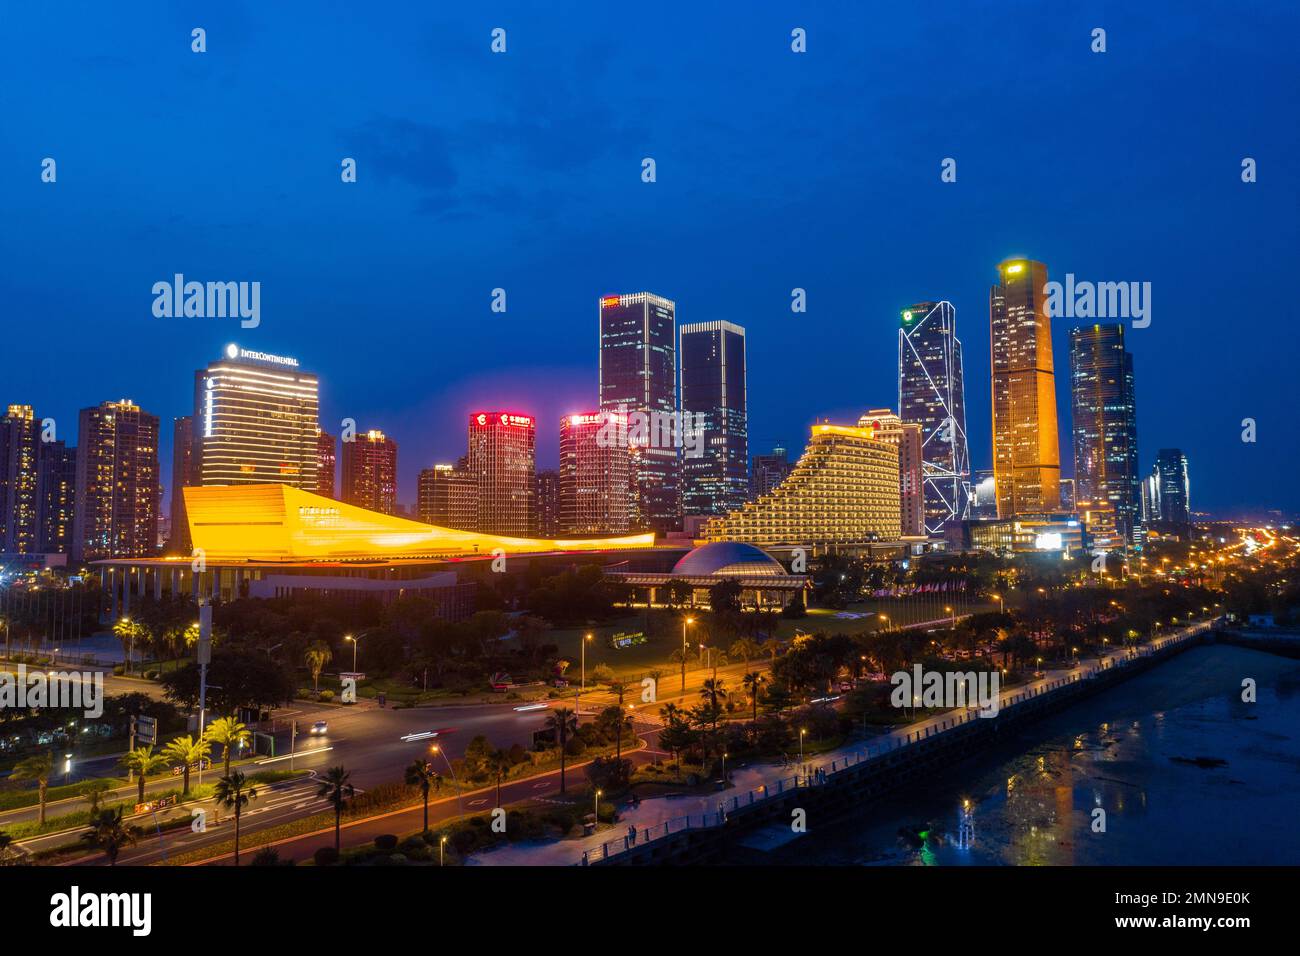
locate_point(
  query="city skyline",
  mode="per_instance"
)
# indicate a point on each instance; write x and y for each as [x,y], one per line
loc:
[368,282]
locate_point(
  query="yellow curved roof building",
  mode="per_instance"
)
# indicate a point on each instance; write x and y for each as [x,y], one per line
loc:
[281,523]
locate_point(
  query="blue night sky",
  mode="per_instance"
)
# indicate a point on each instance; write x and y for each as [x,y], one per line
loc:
[775,170]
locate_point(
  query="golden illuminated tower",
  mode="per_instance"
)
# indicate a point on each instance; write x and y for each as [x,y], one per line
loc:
[1026,453]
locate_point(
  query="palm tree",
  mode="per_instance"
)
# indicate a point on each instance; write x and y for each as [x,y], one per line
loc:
[421,774]
[746,648]
[619,689]
[233,792]
[109,833]
[126,631]
[36,768]
[91,791]
[336,788]
[317,655]
[230,733]
[753,683]
[498,761]
[186,751]
[144,761]
[711,691]
[564,722]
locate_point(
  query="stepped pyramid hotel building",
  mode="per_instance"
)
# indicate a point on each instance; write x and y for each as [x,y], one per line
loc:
[845,490]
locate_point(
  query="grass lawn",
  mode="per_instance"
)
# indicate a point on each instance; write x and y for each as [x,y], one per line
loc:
[865,615]
[628,662]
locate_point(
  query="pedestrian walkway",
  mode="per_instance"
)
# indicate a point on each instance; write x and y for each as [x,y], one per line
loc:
[657,817]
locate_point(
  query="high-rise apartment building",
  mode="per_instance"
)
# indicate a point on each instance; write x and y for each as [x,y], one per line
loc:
[715,456]
[1068,497]
[546,498]
[370,472]
[884,425]
[184,475]
[638,377]
[119,491]
[1026,447]
[768,471]
[1174,486]
[594,475]
[1151,497]
[57,497]
[448,497]
[326,463]
[1104,413]
[255,421]
[932,394]
[19,440]
[983,495]
[503,460]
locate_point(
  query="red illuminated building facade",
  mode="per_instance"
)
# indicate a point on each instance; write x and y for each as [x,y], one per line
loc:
[503,461]
[594,476]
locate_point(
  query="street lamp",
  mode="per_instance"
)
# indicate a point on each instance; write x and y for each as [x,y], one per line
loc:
[999,599]
[441,850]
[954,615]
[685,621]
[577,710]
[802,731]
[354,641]
[460,807]
[598,793]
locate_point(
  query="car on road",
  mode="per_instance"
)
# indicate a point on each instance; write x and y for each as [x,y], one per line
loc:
[319,728]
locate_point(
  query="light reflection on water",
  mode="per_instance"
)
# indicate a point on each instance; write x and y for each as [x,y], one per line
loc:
[1033,800]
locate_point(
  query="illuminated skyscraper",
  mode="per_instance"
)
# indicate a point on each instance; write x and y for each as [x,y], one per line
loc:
[715,462]
[448,497]
[1104,412]
[1026,449]
[19,439]
[886,426]
[256,417]
[932,394]
[503,460]
[593,476]
[118,490]
[638,375]
[1174,498]
[768,471]
[370,472]
[326,463]
[546,503]
[57,485]
[184,475]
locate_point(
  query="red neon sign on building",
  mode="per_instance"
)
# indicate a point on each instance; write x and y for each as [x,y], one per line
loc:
[501,418]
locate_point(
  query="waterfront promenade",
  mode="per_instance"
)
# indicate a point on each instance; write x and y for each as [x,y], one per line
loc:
[660,817]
